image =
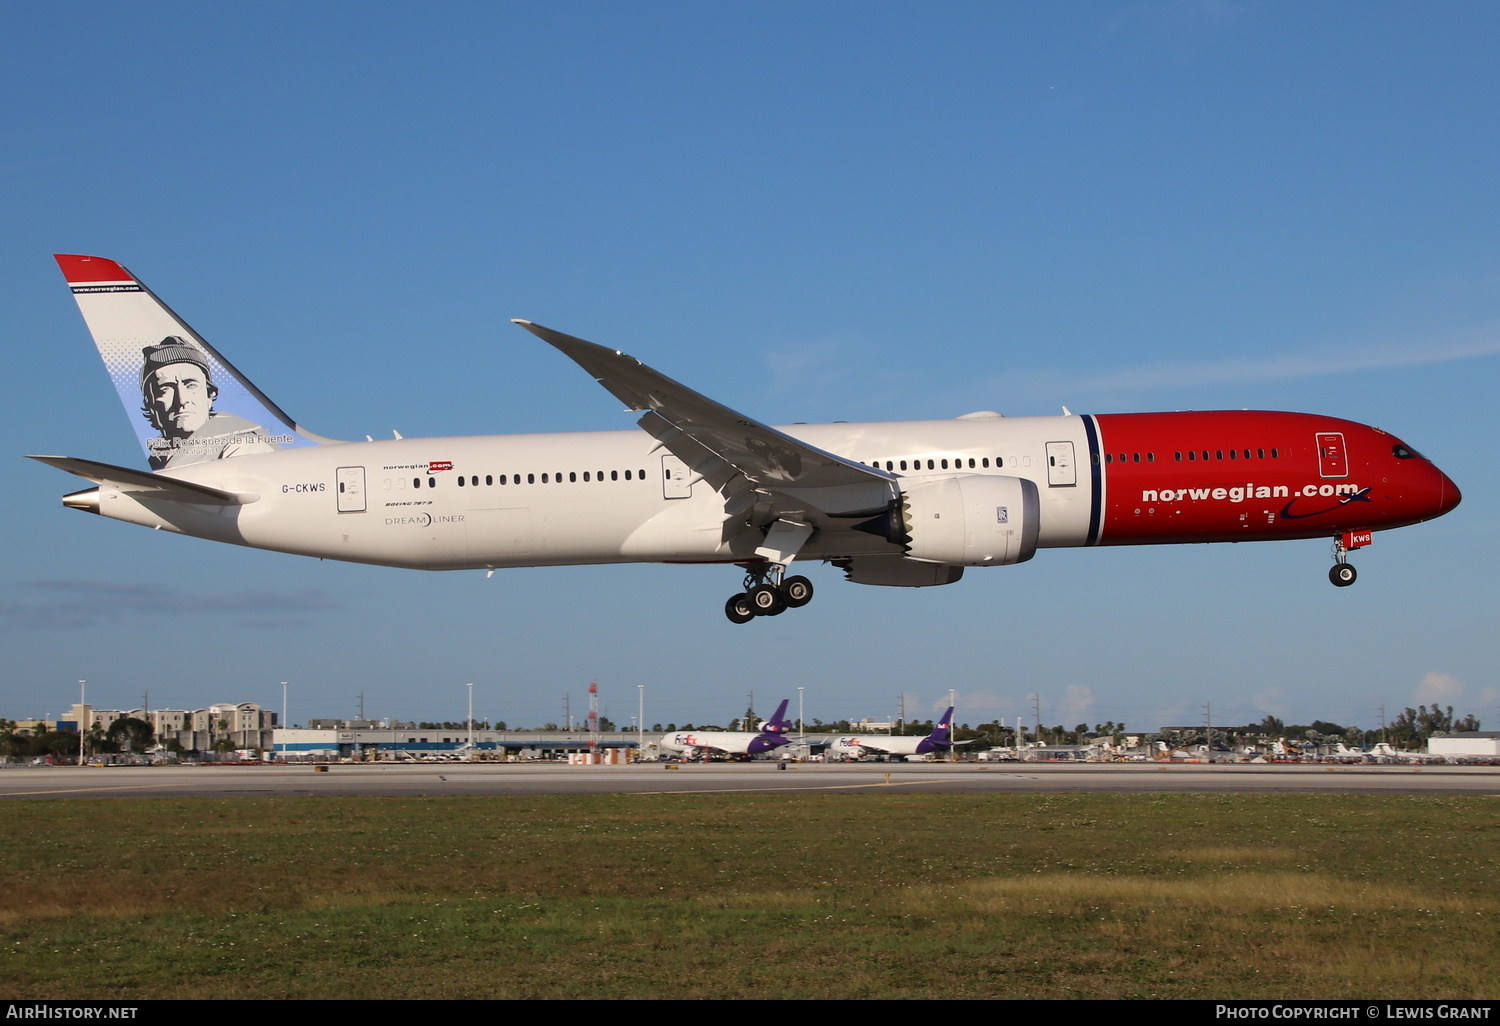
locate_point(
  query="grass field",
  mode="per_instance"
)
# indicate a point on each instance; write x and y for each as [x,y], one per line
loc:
[752,896]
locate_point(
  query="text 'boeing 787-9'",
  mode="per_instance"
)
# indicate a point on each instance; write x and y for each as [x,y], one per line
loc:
[904,503]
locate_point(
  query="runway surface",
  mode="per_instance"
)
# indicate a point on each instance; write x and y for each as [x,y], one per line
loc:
[260,781]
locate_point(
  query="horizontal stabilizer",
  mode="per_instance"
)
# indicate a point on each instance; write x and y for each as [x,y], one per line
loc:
[142,483]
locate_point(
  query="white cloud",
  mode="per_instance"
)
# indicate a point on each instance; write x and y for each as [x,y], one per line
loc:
[1272,701]
[1194,374]
[1077,705]
[1438,689]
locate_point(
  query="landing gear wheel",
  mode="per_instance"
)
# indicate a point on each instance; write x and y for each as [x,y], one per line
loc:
[765,600]
[1342,575]
[796,591]
[738,609]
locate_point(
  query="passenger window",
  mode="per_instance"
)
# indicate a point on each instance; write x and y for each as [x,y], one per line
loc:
[903,464]
[1150,457]
[416,482]
[627,475]
[614,475]
[432,482]
[986,462]
[1231,454]
[573,476]
[460,480]
[531,478]
[930,466]
[945,464]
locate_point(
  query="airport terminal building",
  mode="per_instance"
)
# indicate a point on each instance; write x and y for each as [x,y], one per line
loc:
[375,742]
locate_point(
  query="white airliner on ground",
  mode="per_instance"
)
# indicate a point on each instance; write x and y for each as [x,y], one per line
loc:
[939,740]
[907,504]
[772,735]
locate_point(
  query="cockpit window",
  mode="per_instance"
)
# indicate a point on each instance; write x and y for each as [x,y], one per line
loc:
[1401,452]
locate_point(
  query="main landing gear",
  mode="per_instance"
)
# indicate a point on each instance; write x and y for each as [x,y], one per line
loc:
[763,597]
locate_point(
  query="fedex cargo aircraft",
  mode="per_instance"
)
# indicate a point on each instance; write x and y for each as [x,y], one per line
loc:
[904,504]
[938,740]
[770,736]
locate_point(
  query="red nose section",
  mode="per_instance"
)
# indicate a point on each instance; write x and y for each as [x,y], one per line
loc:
[1448,493]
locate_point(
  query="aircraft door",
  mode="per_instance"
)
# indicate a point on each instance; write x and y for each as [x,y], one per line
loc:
[1061,472]
[1332,460]
[675,483]
[351,486]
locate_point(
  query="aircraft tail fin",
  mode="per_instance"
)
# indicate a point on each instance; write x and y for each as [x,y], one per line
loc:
[778,723]
[187,403]
[772,732]
[941,736]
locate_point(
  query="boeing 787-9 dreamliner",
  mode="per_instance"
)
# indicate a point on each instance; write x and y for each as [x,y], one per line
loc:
[902,503]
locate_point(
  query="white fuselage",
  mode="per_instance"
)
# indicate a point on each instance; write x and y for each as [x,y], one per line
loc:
[850,747]
[587,497]
[730,742]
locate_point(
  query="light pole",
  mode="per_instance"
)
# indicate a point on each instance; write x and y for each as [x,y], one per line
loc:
[470,754]
[82,715]
[283,705]
[952,701]
[799,712]
[640,720]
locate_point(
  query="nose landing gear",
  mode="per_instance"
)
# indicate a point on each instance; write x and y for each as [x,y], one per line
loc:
[763,597]
[1342,574]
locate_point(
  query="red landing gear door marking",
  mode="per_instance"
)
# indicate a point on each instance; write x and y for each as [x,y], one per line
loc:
[1331,459]
[1356,539]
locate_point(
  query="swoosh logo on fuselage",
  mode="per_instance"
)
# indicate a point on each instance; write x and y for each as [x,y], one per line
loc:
[1363,495]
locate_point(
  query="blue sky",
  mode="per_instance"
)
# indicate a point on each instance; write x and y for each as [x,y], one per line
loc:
[809,211]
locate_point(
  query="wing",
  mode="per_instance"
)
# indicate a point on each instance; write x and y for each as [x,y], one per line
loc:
[712,439]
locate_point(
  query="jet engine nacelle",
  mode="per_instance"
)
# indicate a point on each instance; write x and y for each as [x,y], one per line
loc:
[971,519]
